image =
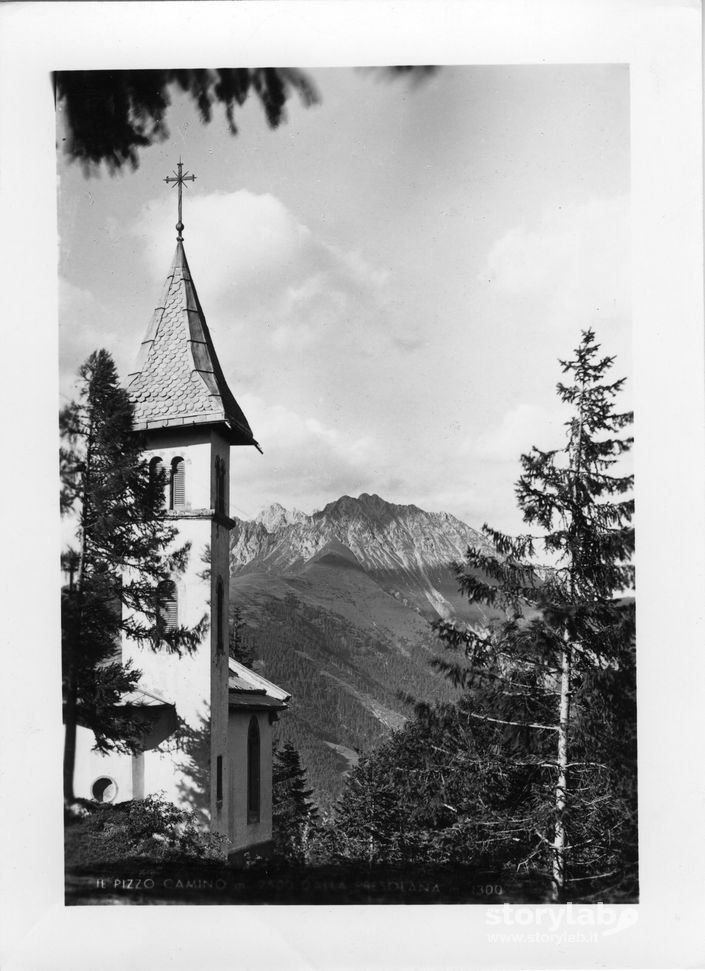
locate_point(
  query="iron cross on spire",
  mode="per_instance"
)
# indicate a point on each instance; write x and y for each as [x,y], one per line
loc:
[178,178]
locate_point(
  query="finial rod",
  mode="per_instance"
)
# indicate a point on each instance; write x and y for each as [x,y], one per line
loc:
[179,179]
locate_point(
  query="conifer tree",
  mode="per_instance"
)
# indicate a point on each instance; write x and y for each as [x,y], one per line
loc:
[552,684]
[125,552]
[240,644]
[294,816]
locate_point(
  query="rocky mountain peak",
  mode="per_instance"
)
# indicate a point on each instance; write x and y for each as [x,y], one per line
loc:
[276,516]
[367,506]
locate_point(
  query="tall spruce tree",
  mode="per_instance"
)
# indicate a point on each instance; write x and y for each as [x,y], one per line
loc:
[294,816]
[553,683]
[532,772]
[125,552]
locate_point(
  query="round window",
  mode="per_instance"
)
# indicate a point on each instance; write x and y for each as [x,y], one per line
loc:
[104,789]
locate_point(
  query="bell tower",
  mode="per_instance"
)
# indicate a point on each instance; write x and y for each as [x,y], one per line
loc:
[189,420]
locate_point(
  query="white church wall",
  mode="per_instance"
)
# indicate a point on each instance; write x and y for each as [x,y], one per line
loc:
[245,833]
[195,683]
[91,766]
[185,680]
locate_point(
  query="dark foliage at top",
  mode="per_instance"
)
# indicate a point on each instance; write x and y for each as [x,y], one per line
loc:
[111,115]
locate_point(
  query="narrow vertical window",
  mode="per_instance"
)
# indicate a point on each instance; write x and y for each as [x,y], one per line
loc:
[167,607]
[219,779]
[222,486]
[219,485]
[177,491]
[219,614]
[218,498]
[253,771]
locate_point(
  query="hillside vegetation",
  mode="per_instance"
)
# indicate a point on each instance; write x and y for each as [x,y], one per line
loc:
[337,608]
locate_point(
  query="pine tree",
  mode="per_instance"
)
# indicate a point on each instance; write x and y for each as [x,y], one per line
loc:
[240,644]
[124,553]
[553,684]
[399,802]
[294,816]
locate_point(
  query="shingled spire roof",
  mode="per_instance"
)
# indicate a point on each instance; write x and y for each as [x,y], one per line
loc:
[177,379]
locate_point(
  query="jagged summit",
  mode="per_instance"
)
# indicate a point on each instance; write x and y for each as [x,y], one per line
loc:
[366,504]
[276,516]
[407,550]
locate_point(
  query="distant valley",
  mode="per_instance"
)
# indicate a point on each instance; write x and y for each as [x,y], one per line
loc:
[337,607]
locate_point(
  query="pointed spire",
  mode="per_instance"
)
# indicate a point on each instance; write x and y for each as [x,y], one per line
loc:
[177,379]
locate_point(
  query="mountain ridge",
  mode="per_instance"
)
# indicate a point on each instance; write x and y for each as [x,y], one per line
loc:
[406,549]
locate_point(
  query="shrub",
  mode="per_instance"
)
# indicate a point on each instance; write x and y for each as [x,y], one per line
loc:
[151,829]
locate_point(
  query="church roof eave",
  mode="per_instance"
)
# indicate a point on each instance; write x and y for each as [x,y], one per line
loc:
[251,701]
[234,434]
[241,678]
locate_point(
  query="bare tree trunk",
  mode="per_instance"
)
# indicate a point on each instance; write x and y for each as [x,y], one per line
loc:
[69,737]
[559,839]
[561,791]
[70,708]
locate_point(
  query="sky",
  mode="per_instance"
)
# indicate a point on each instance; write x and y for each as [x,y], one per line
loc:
[390,277]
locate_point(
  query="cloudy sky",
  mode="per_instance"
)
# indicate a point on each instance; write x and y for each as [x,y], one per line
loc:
[389,277]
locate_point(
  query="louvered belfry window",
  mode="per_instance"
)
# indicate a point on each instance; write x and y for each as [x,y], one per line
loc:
[253,780]
[167,606]
[177,494]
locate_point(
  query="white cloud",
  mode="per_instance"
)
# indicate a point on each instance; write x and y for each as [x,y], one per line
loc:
[572,263]
[81,318]
[520,428]
[252,257]
[305,461]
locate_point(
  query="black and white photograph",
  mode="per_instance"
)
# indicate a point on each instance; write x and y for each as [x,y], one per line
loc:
[352,422]
[348,596]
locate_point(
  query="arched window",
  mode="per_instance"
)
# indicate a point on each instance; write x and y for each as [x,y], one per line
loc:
[156,472]
[167,607]
[177,490]
[219,614]
[253,757]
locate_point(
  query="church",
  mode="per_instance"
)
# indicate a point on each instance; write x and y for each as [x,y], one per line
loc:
[189,421]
